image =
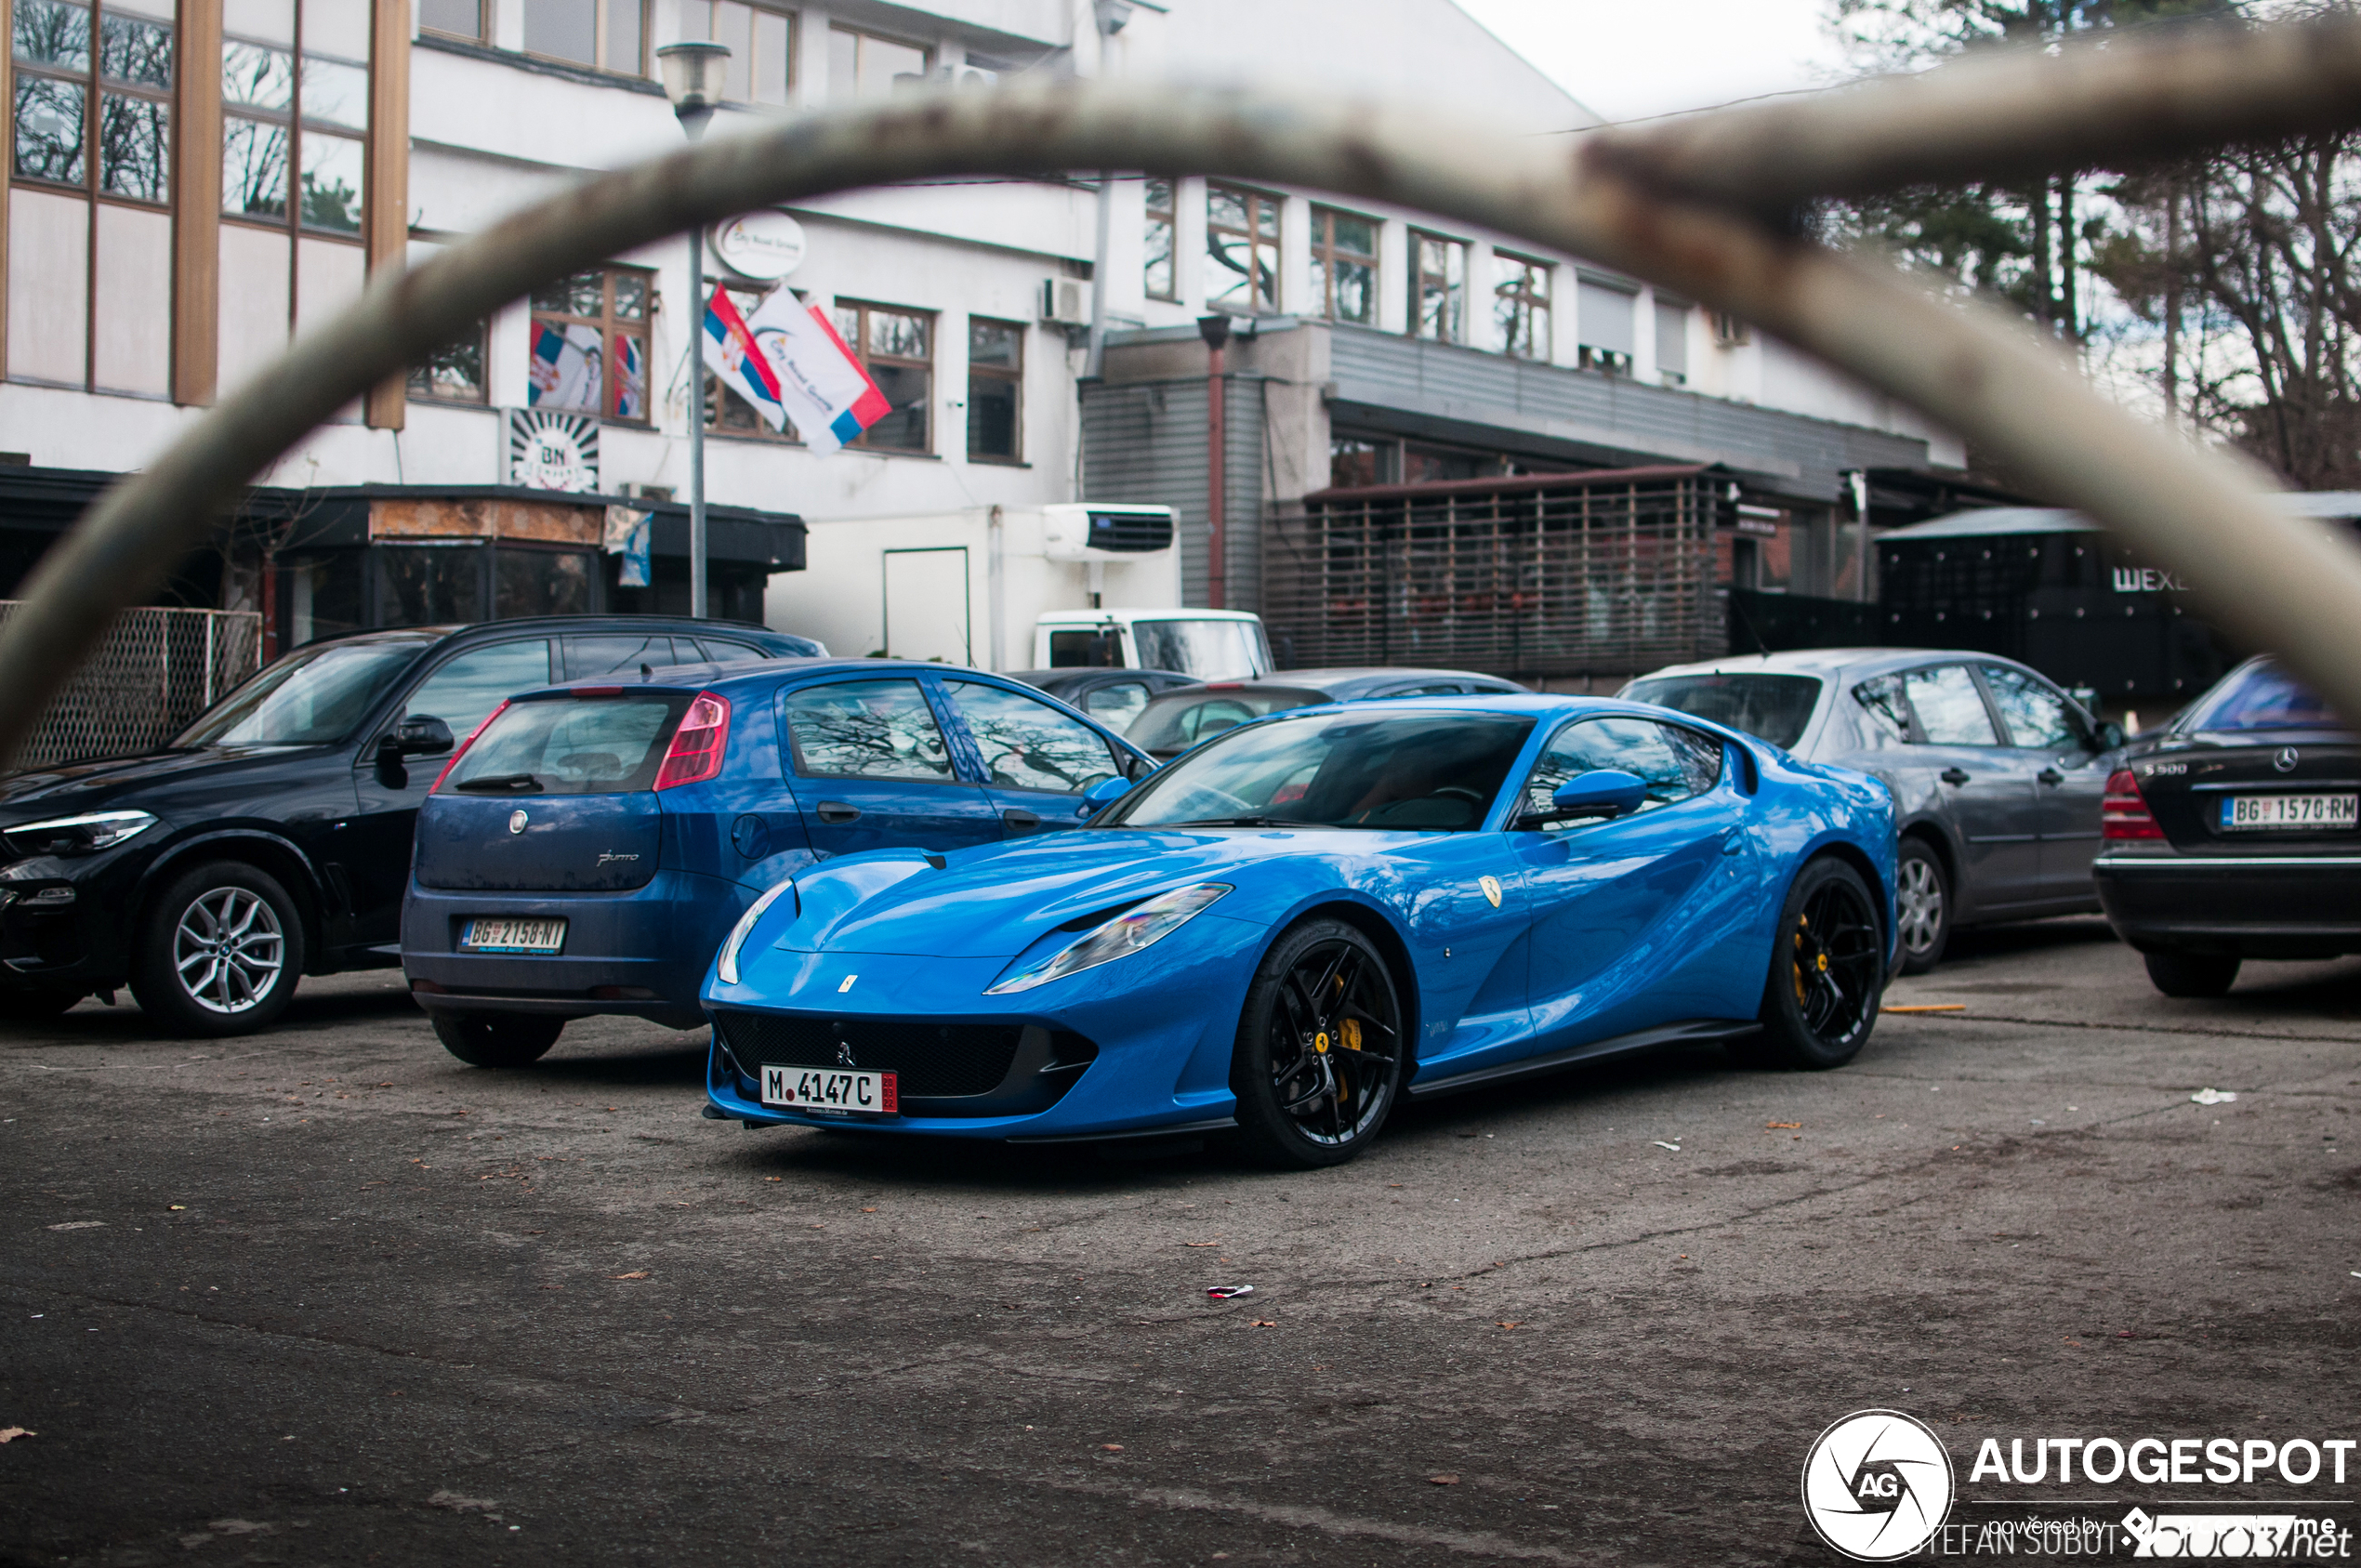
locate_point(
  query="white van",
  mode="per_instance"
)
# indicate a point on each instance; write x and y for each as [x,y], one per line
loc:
[1209,644]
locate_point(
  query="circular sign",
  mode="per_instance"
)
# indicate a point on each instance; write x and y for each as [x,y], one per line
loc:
[761,247]
[1877,1486]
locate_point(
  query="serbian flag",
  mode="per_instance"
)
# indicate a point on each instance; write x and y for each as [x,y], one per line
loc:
[789,365]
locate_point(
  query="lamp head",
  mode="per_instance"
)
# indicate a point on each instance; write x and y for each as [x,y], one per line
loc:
[692,75]
[1215,330]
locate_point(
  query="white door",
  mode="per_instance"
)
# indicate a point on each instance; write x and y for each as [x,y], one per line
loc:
[926,605]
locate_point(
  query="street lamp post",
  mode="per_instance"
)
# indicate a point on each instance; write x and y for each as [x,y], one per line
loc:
[692,75]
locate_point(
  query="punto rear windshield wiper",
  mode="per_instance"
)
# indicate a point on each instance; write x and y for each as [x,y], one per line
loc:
[502,784]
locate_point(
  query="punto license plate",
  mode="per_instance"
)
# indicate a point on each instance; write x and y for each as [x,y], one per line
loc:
[826,1090]
[2289,811]
[514,936]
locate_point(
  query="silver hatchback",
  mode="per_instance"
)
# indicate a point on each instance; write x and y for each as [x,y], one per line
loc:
[1997,774]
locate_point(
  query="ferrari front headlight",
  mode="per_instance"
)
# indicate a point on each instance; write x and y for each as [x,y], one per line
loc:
[1139,926]
[727,966]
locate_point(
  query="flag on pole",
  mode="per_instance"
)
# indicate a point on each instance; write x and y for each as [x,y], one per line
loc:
[788,364]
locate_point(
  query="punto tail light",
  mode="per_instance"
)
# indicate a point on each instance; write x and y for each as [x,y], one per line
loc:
[696,746]
[2124,813]
[462,748]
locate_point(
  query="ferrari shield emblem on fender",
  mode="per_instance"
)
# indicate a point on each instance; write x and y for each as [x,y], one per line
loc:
[1491,886]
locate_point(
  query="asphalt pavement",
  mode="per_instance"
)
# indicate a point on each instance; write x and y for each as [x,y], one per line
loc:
[326,1296]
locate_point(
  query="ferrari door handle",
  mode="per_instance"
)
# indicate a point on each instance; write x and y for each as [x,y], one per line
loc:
[1021,819]
[1734,842]
[2051,776]
[836,812]
[1954,776]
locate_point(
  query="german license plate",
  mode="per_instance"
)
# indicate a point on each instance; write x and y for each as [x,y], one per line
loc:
[514,936]
[2289,811]
[827,1089]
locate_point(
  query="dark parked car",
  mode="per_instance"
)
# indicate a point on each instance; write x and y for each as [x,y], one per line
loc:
[588,851]
[2232,835]
[1997,774]
[1113,697]
[1172,723]
[271,838]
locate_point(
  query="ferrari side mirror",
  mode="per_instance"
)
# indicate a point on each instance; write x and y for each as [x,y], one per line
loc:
[1100,796]
[1604,793]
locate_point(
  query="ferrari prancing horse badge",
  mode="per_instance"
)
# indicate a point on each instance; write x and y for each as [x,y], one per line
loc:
[1491,886]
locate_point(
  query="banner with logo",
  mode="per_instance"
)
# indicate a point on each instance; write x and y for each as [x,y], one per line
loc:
[788,364]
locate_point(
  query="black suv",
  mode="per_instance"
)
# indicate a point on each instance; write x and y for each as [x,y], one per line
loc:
[271,838]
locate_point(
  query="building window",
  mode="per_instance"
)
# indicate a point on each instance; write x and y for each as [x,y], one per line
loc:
[1606,321]
[1159,274]
[1242,251]
[92,145]
[1344,265]
[455,372]
[1728,331]
[761,41]
[606,34]
[864,65]
[728,413]
[996,391]
[1672,342]
[297,111]
[895,347]
[1438,287]
[459,19]
[1521,304]
[590,344]
[1358,460]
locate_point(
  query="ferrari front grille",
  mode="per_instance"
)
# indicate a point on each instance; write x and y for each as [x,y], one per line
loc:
[929,1059]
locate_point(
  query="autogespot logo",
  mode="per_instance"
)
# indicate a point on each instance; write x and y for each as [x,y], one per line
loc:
[1877,1486]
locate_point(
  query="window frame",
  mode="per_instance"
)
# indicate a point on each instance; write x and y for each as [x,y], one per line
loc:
[477,36]
[1001,374]
[607,325]
[95,88]
[793,77]
[1455,293]
[1256,245]
[1166,218]
[849,92]
[858,341]
[1513,290]
[600,10]
[1325,255]
[297,127]
[418,390]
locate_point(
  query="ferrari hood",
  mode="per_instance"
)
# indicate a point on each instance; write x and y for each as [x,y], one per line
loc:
[992,902]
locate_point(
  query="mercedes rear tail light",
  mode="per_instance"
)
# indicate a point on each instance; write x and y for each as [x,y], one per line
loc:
[2124,813]
[696,746]
[463,747]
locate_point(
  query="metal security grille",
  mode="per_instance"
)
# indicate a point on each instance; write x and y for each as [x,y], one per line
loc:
[155,670]
[1609,572]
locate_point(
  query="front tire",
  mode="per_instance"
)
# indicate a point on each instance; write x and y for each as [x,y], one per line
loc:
[497,1039]
[220,952]
[2193,975]
[1827,971]
[1923,899]
[1321,1048]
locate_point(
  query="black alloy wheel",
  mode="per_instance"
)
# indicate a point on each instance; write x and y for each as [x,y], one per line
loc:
[498,1039]
[1922,897]
[2192,974]
[219,952]
[1827,971]
[1319,1052]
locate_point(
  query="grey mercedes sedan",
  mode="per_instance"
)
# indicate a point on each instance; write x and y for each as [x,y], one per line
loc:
[1997,774]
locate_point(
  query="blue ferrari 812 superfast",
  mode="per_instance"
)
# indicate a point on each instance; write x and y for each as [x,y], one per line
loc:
[1295,926]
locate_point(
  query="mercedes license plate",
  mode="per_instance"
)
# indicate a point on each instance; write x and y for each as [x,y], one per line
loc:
[514,936]
[2289,811]
[826,1090]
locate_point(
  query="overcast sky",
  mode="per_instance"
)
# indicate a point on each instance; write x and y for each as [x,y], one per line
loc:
[1628,59]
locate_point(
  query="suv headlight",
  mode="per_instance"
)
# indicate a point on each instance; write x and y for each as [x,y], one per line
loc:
[1139,926]
[76,835]
[727,966]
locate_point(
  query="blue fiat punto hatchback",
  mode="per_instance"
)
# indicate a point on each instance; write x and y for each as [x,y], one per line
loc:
[591,846]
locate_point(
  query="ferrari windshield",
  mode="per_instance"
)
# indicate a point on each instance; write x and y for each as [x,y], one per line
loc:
[314,696]
[1427,773]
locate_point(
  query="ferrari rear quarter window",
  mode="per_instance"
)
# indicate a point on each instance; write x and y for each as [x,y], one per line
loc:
[570,746]
[1428,772]
[865,729]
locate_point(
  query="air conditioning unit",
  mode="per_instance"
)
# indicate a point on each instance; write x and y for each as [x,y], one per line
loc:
[1077,530]
[966,77]
[1065,301]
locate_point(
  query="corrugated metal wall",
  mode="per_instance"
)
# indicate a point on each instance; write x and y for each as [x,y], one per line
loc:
[1146,441]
